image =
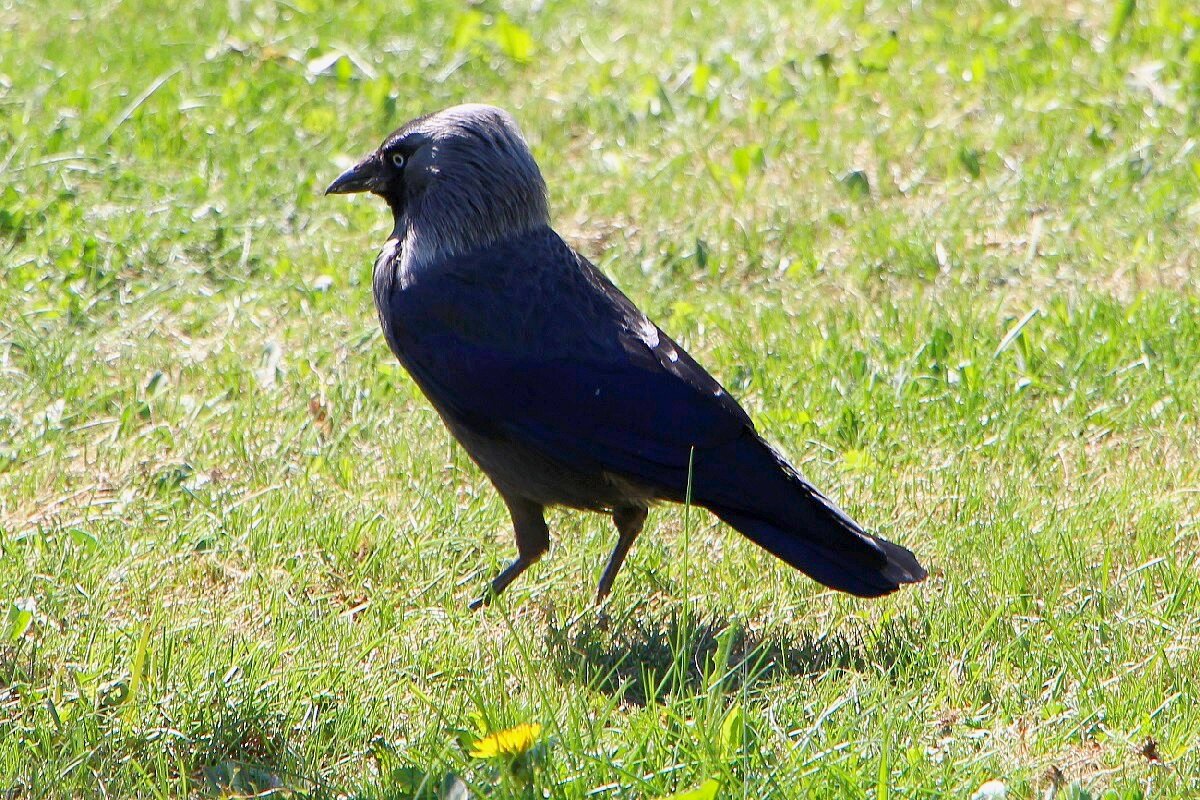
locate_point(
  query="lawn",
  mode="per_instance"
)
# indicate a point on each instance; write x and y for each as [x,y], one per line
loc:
[945,253]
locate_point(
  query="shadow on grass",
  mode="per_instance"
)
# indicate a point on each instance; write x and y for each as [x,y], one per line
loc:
[653,655]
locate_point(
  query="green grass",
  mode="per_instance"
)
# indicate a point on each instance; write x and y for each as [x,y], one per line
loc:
[945,252]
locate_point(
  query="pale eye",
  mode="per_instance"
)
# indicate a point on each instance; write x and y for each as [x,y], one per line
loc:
[397,160]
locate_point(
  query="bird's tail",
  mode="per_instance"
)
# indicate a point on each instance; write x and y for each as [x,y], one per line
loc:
[769,502]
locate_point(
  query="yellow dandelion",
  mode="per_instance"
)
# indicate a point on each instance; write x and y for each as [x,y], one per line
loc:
[509,743]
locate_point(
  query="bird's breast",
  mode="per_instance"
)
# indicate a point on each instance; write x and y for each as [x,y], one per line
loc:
[385,280]
[383,275]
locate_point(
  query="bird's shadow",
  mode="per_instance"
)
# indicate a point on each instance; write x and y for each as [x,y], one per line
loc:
[653,654]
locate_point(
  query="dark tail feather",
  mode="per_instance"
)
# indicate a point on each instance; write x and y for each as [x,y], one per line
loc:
[873,568]
[769,502]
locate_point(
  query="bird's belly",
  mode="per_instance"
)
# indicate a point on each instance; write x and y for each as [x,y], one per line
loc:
[522,470]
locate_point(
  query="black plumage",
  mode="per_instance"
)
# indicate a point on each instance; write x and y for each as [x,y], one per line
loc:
[557,385]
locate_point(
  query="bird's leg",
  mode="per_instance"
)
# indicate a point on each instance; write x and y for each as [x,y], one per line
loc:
[629,521]
[533,539]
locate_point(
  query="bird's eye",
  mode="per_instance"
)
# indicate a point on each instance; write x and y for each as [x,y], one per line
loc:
[397,160]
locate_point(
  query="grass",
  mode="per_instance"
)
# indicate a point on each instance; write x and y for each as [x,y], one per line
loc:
[944,251]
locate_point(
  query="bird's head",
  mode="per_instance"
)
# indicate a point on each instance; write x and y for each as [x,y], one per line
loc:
[455,180]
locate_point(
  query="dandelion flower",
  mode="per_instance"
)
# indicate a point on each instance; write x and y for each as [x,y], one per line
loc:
[509,743]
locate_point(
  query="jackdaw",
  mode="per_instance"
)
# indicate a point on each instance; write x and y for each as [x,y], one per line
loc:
[557,386]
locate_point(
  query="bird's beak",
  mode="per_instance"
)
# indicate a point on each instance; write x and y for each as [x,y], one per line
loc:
[362,177]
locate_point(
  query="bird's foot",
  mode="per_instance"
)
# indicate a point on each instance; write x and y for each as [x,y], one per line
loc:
[501,582]
[603,621]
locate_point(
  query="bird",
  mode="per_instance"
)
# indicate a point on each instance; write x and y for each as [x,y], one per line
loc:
[561,390]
